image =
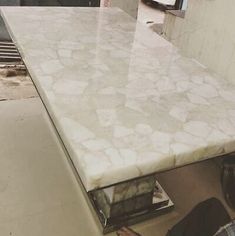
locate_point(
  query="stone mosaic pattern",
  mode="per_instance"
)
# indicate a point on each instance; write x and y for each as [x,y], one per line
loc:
[139,201]
[124,101]
[130,189]
[122,208]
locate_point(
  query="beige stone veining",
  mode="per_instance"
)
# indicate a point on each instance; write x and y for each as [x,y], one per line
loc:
[130,6]
[125,102]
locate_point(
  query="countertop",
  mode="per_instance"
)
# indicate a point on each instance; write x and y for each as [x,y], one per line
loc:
[125,102]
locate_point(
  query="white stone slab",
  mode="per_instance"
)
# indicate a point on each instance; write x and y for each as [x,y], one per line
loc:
[130,6]
[124,101]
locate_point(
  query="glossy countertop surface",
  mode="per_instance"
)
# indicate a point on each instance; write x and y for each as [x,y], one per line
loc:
[126,103]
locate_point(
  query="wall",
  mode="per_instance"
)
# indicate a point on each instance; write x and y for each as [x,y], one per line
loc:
[9,2]
[207,33]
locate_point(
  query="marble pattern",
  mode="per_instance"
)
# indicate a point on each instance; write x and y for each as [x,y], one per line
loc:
[150,196]
[126,103]
[130,6]
[130,189]
[122,208]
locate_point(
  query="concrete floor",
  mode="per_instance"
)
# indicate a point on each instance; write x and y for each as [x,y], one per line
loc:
[39,194]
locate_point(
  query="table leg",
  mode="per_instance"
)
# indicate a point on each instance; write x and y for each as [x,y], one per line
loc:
[130,202]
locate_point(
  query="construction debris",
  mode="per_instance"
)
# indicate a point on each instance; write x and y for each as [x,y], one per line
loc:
[15,83]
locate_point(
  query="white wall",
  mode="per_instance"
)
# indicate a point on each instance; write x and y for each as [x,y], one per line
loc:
[207,33]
